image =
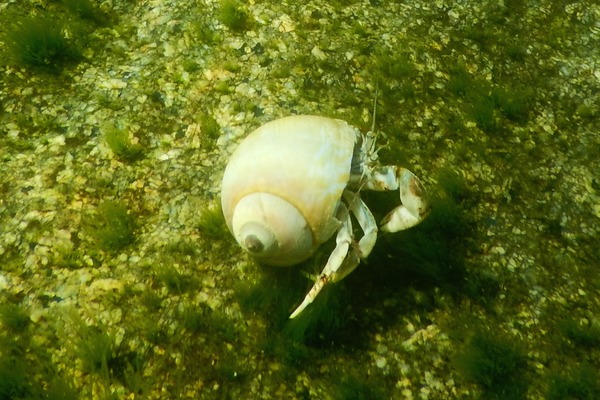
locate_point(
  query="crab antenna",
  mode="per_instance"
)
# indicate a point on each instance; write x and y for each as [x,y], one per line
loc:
[375,107]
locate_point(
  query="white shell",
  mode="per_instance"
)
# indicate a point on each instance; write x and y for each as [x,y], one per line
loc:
[283,184]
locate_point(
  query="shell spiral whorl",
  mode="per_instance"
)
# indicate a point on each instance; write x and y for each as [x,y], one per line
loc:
[271,229]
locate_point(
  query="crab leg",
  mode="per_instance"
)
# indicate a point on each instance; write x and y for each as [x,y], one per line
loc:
[343,241]
[415,204]
[347,253]
[367,224]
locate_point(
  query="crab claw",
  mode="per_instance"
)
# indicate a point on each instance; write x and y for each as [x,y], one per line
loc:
[415,204]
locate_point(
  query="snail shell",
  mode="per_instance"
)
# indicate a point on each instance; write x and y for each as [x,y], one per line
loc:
[283,185]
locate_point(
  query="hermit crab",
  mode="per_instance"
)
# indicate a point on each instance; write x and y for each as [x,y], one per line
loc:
[291,185]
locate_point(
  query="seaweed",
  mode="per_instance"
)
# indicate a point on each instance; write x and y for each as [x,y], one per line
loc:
[86,10]
[175,281]
[14,318]
[120,143]
[496,363]
[233,16]
[354,388]
[513,103]
[210,129]
[26,368]
[202,319]
[212,223]
[113,227]
[580,383]
[40,42]
[100,355]
[15,382]
[584,335]
[95,349]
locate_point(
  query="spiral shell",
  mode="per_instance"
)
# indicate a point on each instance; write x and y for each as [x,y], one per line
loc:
[283,185]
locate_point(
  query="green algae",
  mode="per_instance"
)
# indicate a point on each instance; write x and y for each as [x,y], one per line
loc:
[496,363]
[113,226]
[579,383]
[40,42]
[232,15]
[119,141]
[14,318]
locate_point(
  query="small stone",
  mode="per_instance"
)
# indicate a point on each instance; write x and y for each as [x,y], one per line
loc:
[381,362]
[318,53]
